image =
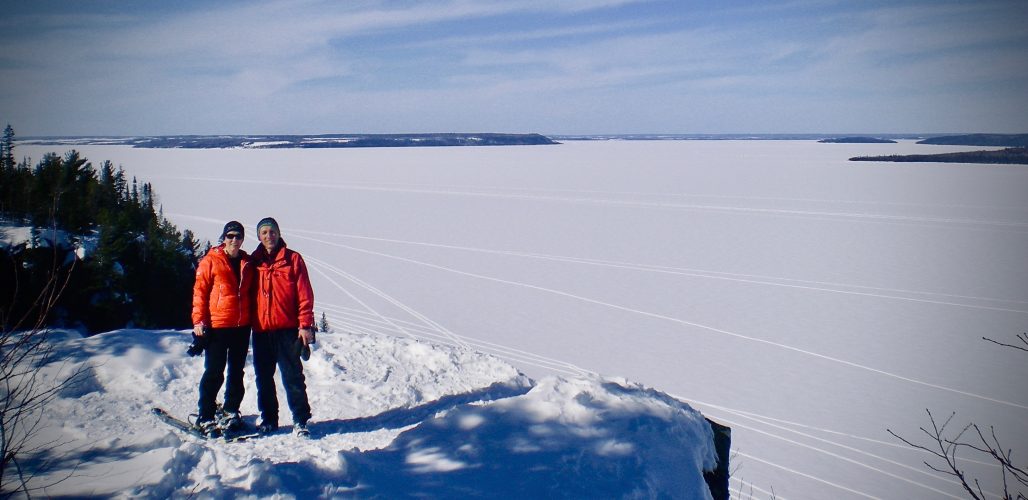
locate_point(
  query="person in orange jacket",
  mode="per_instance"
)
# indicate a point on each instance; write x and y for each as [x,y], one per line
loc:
[283,327]
[222,297]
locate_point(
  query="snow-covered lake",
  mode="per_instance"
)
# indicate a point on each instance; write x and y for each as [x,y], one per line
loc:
[807,301]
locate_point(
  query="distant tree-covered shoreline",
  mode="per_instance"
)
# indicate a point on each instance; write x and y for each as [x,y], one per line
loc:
[857,140]
[1004,140]
[319,141]
[123,262]
[1003,156]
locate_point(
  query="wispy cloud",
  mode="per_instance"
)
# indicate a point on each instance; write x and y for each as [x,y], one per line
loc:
[275,63]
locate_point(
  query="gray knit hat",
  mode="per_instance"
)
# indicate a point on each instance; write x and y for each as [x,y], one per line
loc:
[268,221]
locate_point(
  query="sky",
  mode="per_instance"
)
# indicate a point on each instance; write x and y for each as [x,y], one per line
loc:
[103,67]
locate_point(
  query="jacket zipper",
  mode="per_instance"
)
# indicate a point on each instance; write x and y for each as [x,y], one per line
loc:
[239,293]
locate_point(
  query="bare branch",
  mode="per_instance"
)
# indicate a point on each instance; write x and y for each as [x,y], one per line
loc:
[1022,337]
[26,391]
[944,449]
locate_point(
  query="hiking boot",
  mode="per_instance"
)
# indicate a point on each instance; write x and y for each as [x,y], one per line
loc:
[267,427]
[230,421]
[209,428]
[300,429]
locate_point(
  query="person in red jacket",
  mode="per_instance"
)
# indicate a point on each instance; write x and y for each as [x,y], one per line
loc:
[283,327]
[222,297]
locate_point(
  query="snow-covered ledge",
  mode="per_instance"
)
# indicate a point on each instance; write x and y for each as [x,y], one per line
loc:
[392,418]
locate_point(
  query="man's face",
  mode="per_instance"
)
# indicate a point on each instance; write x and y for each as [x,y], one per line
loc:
[269,237]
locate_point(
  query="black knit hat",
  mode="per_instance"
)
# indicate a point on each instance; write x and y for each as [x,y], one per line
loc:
[232,226]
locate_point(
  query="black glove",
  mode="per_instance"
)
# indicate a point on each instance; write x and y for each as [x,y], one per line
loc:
[198,345]
[304,351]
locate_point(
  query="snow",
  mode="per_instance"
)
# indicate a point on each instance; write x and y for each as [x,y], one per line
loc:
[264,144]
[12,235]
[393,417]
[806,301]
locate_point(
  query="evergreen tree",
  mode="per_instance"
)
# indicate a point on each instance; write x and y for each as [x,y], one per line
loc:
[190,246]
[323,325]
[106,198]
[121,185]
[141,271]
[7,149]
[7,173]
[77,182]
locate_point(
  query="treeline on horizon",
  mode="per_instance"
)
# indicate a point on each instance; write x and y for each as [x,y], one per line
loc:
[1006,156]
[97,237]
[308,141]
[1007,140]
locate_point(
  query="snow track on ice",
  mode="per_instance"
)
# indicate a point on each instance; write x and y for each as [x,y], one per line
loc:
[820,286]
[687,323]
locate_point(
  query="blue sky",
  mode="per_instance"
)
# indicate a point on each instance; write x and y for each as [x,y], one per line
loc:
[105,67]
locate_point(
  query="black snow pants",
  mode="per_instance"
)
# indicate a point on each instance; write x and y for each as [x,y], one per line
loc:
[280,348]
[225,346]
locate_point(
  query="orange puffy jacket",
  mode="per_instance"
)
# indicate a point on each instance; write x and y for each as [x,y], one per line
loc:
[285,298]
[219,300]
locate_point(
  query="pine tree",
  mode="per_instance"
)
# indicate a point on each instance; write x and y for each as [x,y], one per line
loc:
[8,177]
[141,268]
[77,180]
[121,185]
[7,149]
[323,325]
[190,245]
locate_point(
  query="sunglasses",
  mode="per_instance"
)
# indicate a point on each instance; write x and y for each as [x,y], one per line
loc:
[233,236]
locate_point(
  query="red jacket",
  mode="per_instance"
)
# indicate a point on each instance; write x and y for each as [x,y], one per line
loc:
[219,300]
[284,297]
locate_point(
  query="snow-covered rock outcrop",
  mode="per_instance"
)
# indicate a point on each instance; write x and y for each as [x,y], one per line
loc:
[392,418]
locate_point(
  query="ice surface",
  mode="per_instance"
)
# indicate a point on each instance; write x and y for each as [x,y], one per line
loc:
[807,301]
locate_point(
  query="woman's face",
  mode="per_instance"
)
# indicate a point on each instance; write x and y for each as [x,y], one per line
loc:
[233,240]
[269,238]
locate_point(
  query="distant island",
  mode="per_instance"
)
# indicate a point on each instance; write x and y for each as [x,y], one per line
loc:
[302,141]
[714,137]
[1003,156]
[1005,140]
[857,140]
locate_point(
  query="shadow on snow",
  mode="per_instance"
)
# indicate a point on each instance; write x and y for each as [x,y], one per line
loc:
[603,440]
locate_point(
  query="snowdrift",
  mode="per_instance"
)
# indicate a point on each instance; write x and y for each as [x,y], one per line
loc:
[392,418]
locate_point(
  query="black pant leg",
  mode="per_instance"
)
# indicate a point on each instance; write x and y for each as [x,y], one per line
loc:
[215,357]
[264,357]
[293,379]
[238,345]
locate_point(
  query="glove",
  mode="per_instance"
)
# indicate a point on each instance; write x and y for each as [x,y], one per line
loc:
[198,345]
[304,351]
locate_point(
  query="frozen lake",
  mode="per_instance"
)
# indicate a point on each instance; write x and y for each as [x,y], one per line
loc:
[807,301]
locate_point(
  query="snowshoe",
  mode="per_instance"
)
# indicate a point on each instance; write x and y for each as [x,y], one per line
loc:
[202,433]
[230,421]
[209,428]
